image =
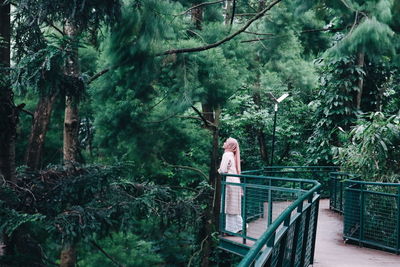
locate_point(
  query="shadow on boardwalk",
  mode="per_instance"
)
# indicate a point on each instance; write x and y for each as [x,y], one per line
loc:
[331,251]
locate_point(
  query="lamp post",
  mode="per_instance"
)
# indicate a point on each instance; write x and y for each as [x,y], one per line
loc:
[276,102]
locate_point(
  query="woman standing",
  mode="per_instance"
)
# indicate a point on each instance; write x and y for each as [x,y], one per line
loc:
[230,163]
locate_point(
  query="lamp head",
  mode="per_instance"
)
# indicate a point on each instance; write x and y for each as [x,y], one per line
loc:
[280,99]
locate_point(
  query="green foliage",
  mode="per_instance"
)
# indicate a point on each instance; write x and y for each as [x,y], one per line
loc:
[334,108]
[11,220]
[126,248]
[41,71]
[370,36]
[373,148]
[86,203]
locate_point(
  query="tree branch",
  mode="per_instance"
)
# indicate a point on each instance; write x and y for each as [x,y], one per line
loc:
[55,27]
[162,120]
[229,37]
[106,254]
[277,36]
[200,5]
[187,168]
[206,122]
[189,117]
[97,75]
[28,112]
[245,14]
[256,33]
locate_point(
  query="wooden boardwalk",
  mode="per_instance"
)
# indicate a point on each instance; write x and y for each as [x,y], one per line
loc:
[331,251]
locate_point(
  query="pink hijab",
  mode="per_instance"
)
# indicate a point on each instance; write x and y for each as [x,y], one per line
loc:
[232,145]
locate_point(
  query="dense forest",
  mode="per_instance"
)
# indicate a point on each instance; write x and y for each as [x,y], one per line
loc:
[113,114]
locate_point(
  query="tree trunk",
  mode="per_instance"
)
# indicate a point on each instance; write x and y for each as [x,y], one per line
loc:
[39,129]
[211,215]
[228,11]
[68,256]
[197,17]
[71,119]
[8,112]
[214,176]
[262,145]
[259,131]
[261,5]
[71,126]
[379,98]
[360,63]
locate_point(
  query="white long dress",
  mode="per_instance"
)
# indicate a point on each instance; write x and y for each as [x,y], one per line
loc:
[233,194]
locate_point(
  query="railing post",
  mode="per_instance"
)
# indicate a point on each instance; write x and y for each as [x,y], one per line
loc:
[398,220]
[341,195]
[222,212]
[332,191]
[244,214]
[362,197]
[269,203]
[305,234]
[314,237]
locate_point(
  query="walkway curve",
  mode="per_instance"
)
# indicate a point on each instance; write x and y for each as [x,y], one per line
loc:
[331,251]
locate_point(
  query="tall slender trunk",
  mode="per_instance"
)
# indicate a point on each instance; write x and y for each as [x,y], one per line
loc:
[71,127]
[71,119]
[40,126]
[360,85]
[262,145]
[214,176]
[211,216]
[261,5]
[8,112]
[197,17]
[68,256]
[379,98]
[259,131]
[228,11]
[8,116]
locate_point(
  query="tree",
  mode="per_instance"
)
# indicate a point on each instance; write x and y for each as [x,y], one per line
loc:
[8,111]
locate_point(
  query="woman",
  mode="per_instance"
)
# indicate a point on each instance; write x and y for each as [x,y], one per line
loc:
[230,163]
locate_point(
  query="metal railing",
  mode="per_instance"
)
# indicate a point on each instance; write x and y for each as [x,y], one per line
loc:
[318,173]
[371,214]
[279,215]
[336,189]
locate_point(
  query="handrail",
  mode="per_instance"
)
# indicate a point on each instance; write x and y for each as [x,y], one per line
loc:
[315,173]
[262,241]
[272,168]
[372,183]
[288,179]
[303,187]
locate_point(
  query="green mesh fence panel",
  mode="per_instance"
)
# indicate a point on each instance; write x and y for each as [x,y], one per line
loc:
[275,255]
[352,210]
[311,234]
[371,214]
[289,246]
[299,249]
[336,189]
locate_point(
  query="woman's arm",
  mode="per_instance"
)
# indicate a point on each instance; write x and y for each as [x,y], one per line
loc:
[226,163]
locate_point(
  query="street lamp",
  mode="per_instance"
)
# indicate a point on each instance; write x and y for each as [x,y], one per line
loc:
[276,101]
